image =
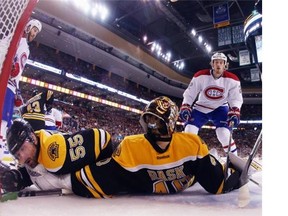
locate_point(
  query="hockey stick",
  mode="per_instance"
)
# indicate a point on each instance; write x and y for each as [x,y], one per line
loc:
[30,193]
[244,194]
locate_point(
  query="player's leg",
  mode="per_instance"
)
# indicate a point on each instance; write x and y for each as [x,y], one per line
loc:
[5,123]
[223,132]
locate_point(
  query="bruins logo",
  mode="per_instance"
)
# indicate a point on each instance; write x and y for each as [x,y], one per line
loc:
[53,151]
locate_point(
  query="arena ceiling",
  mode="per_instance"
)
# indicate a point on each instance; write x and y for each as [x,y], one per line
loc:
[167,22]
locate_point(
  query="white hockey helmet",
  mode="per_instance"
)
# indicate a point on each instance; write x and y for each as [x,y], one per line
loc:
[33,23]
[219,56]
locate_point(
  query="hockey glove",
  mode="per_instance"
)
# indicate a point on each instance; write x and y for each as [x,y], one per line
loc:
[233,117]
[11,180]
[15,70]
[18,101]
[3,168]
[185,112]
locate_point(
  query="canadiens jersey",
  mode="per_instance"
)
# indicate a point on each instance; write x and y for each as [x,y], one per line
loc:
[53,119]
[64,153]
[21,57]
[34,110]
[213,93]
[140,166]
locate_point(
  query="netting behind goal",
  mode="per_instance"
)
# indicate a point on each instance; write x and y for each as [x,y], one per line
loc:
[14,14]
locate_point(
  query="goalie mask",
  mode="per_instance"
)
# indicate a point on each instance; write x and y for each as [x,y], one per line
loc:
[17,134]
[165,111]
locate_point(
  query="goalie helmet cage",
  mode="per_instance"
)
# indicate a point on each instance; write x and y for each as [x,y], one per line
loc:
[14,14]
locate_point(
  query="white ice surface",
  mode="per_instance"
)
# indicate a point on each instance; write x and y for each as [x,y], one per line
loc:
[193,202]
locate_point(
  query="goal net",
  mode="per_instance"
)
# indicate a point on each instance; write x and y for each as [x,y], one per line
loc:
[14,14]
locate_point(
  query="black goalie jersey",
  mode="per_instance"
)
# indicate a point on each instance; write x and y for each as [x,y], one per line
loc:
[139,166]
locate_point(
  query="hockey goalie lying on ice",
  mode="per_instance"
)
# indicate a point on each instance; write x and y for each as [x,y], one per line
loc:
[160,161]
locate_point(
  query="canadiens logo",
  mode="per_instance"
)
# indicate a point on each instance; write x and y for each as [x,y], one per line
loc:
[53,151]
[214,93]
[23,60]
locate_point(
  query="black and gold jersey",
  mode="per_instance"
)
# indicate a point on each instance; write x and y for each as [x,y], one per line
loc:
[34,110]
[65,153]
[138,167]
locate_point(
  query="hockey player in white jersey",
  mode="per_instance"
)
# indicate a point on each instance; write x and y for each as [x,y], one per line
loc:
[13,97]
[53,119]
[219,99]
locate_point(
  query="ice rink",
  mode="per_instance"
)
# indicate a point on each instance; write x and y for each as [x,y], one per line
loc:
[193,202]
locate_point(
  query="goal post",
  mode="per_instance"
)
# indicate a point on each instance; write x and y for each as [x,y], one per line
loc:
[14,14]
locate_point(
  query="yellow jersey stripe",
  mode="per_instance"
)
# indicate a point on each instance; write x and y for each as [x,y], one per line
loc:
[81,177]
[95,185]
[220,189]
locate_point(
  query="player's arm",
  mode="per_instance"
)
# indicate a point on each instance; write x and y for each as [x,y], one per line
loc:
[19,62]
[210,172]
[16,68]
[99,180]
[235,97]
[74,151]
[189,97]
[191,93]
[58,118]
[210,176]
[49,99]
[235,101]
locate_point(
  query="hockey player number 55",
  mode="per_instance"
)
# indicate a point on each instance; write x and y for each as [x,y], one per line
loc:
[76,150]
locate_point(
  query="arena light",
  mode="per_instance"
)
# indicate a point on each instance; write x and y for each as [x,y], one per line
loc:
[200,39]
[79,94]
[85,80]
[105,87]
[193,32]
[84,6]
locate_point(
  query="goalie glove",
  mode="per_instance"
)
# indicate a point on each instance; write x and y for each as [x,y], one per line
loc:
[233,117]
[185,112]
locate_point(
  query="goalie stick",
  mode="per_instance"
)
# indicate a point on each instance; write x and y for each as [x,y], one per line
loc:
[30,193]
[244,194]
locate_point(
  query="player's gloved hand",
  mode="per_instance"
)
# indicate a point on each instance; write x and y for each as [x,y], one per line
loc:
[15,70]
[233,117]
[18,101]
[185,112]
[11,180]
